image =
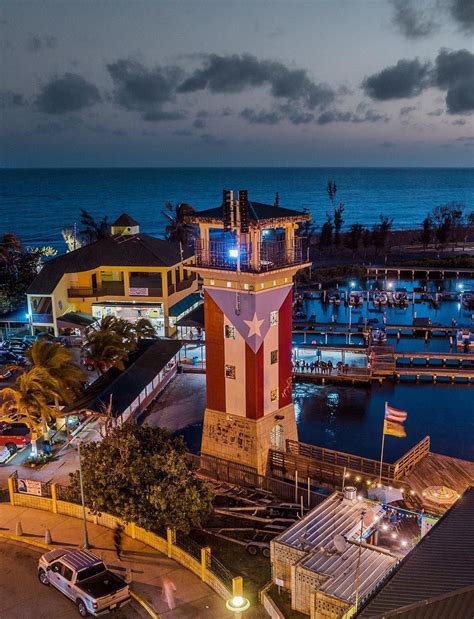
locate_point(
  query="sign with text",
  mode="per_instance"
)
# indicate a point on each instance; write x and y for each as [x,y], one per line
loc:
[29,486]
[138,292]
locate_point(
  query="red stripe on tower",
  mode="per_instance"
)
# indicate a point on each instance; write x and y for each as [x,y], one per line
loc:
[215,377]
[254,382]
[285,379]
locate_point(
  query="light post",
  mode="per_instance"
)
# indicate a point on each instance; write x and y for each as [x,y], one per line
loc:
[237,603]
[86,534]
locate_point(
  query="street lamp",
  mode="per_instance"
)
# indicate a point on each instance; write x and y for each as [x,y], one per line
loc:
[237,603]
[81,483]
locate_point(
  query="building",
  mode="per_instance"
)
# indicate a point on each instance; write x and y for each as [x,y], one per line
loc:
[128,274]
[324,561]
[247,256]
[436,579]
[127,393]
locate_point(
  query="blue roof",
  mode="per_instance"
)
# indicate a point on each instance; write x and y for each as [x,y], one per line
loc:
[185,304]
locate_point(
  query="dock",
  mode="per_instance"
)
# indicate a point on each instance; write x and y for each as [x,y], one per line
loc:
[415,272]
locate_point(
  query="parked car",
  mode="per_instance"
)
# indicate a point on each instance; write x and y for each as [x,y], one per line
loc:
[83,578]
[14,436]
[4,454]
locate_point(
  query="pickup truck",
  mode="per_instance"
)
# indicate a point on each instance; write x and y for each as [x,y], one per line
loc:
[14,436]
[83,577]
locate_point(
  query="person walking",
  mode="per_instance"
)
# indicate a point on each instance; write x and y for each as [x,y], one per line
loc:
[118,534]
[168,589]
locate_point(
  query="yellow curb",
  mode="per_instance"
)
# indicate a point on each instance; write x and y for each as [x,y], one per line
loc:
[25,540]
[31,542]
[138,598]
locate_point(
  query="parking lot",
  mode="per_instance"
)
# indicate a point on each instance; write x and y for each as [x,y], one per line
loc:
[22,596]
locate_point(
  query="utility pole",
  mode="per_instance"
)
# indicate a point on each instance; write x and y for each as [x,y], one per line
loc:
[86,534]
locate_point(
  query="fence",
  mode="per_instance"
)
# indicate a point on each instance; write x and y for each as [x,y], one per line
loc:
[242,475]
[412,457]
[178,547]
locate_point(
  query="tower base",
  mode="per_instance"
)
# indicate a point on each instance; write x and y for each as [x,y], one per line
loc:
[247,441]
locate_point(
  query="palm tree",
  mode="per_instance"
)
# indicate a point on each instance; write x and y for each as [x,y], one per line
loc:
[29,401]
[178,229]
[118,326]
[144,329]
[105,349]
[59,363]
[10,250]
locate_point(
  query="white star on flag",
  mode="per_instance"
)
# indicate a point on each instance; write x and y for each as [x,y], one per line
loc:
[254,325]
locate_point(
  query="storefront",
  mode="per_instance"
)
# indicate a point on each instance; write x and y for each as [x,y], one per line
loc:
[133,311]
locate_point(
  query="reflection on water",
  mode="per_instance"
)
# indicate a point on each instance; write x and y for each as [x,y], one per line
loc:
[350,418]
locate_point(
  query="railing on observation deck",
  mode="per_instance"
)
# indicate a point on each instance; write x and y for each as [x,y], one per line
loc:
[251,257]
[112,288]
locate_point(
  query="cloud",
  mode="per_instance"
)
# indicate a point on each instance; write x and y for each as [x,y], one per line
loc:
[40,43]
[227,111]
[199,123]
[144,90]
[10,99]
[404,80]
[387,144]
[467,140]
[454,72]
[404,111]
[183,132]
[237,73]
[370,116]
[462,12]
[261,117]
[160,115]
[412,18]
[211,140]
[69,93]
[437,112]
[460,121]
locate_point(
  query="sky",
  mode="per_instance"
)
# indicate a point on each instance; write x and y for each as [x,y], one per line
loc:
[225,83]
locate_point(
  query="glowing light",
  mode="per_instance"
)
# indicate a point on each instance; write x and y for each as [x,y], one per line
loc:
[404,543]
[384,527]
[412,492]
[352,284]
[360,497]
[27,315]
[394,536]
[347,475]
[390,285]
[460,286]
[358,478]
[233,253]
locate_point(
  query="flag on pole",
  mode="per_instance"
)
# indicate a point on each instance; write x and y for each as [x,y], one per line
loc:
[393,421]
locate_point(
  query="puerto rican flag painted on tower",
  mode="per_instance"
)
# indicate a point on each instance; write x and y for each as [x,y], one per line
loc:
[248,350]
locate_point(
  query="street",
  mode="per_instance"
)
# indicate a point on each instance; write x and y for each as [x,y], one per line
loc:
[22,596]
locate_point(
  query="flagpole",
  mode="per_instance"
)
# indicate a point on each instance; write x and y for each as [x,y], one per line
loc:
[383,444]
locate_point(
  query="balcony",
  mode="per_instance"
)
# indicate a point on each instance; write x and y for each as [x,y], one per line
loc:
[252,257]
[184,284]
[115,289]
[42,319]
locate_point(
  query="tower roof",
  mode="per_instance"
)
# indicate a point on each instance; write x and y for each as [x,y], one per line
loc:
[125,221]
[259,214]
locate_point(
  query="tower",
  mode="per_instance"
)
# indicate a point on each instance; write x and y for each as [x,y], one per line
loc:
[247,255]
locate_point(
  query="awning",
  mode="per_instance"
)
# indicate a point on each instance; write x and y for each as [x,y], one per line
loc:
[186,304]
[76,319]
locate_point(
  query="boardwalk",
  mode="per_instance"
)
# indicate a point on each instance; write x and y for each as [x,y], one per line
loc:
[438,470]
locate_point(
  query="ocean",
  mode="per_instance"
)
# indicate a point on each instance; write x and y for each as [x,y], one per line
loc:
[37,203]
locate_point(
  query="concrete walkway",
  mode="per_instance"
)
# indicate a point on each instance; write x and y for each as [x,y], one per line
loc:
[194,599]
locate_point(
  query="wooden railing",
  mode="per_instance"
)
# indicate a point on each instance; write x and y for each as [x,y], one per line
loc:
[340,459]
[412,457]
[242,475]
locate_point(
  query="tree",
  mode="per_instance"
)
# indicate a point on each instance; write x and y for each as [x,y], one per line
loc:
[354,237]
[58,363]
[380,232]
[338,221]
[105,349]
[178,229]
[325,238]
[10,252]
[143,329]
[427,232]
[28,402]
[93,230]
[141,474]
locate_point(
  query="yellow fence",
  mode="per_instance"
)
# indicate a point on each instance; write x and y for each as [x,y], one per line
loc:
[165,546]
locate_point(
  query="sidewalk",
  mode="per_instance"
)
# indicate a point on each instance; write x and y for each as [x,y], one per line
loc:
[194,599]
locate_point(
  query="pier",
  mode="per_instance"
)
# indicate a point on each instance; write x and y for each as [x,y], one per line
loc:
[414,272]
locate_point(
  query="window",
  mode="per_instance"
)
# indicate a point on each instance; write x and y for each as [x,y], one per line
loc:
[229,331]
[67,573]
[274,357]
[230,371]
[212,282]
[273,318]
[273,395]
[56,567]
[229,284]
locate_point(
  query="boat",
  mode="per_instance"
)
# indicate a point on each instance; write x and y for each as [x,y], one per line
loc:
[380,298]
[379,336]
[465,338]
[467,299]
[356,298]
[400,297]
[334,297]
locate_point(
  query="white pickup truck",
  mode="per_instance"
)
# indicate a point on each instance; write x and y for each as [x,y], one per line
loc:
[84,578]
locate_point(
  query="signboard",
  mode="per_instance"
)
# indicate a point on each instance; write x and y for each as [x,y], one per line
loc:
[138,292]
[29,486]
